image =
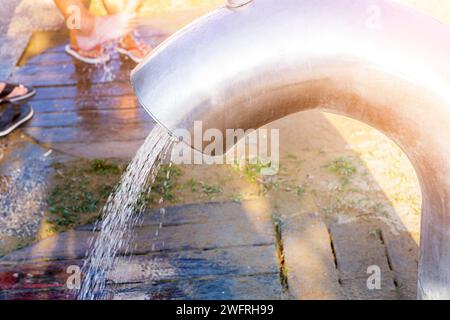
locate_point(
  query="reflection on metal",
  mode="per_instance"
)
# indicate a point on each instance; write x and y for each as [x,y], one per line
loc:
[385,65]
[237,3]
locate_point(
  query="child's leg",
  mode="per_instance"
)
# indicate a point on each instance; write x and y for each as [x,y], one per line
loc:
[92,31]
[133,47]
[86,23]
[118,6]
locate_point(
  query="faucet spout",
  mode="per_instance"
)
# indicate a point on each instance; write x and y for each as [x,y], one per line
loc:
[385,65]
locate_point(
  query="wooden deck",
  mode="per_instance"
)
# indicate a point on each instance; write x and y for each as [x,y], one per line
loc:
[82,110]
[192,256]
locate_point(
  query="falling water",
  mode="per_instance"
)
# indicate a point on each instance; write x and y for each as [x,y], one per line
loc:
[122,212]
[108,74]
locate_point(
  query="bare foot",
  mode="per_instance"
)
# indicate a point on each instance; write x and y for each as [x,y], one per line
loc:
[94,56]
[135,47]
[18,91]
[105,29]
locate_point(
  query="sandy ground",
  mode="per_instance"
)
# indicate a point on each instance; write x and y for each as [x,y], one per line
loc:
[374,179]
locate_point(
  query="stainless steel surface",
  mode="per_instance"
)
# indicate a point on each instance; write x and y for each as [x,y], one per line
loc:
[377,61]
[237,3]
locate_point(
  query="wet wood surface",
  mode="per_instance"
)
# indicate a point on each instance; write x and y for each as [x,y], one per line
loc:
[205,251]
[85,110]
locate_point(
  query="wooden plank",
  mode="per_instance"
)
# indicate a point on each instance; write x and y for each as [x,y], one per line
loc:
[70,74]
[69,79]
[29,280]
[71,245]
[100,103]
[90,118]
[309,259]
[58,48]
[357,247]
[35,276]
[208,235]
[84,91]
[46,294]
[170,266]
[213,213]
[150,36]
[108,149]
[182,265]
[204,213]
[89,134]
[199,259]
[49,58]
[403,257]
[259,287]
[73,67]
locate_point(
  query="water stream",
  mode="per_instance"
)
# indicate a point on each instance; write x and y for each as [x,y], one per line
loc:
[121,213]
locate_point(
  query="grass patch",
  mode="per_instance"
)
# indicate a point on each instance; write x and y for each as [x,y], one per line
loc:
[79,191]
[300,191]
[210,190]
[192,185]
[165,185]
[258,172]
[252,172]
[105,167]
[343,168]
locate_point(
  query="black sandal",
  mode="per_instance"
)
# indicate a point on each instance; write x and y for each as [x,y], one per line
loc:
[9,88]
[12,116]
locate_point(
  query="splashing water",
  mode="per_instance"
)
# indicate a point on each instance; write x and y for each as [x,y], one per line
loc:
[108,74]
[122,212]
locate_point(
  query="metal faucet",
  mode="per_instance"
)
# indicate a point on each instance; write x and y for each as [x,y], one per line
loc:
[245,68]
[237,3]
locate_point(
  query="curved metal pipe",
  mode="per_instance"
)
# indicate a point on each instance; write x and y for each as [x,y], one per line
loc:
[385,64]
